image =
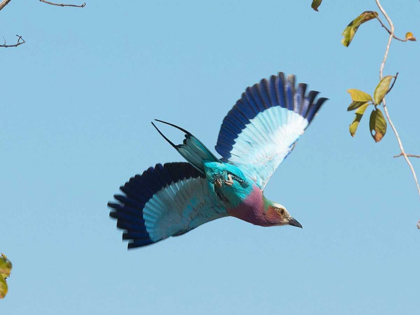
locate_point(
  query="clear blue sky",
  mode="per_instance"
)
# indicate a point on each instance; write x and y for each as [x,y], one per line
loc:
[76,104]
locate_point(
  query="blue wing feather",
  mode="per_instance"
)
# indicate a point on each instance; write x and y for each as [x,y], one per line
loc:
[260,131]
[164,201]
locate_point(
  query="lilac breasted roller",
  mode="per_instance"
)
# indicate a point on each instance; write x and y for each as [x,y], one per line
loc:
[257,134]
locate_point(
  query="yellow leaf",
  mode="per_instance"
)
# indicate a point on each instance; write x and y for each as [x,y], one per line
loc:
[3,288]
[381,89]
[359,114]
[351,29]
[5,268]
[359,96]
[377,123]
[355,105]
[410,36]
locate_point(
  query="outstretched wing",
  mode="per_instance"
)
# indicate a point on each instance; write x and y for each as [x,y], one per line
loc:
[164,201]
[262,128]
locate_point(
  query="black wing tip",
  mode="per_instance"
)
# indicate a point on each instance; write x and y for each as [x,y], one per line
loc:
[113,205]
[135,244]
[113,215]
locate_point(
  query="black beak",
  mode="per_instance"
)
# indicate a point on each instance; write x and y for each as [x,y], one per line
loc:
[294,222]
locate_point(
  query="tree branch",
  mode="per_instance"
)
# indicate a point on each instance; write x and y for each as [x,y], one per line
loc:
[391,36]
[389,32]
[64,5]
[20,41]
[4,3]
[409,155]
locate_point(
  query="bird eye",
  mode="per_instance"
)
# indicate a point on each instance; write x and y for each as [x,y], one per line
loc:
[282,211]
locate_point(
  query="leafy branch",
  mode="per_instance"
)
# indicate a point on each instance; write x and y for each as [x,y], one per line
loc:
[403,153]
[362,100]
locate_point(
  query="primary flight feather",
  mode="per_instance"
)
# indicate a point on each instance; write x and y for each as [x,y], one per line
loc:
[257,134]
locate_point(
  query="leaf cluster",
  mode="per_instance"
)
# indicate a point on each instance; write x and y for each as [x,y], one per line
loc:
[360,102]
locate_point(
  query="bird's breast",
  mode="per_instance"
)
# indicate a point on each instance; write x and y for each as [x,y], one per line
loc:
[240,196]
[251,209]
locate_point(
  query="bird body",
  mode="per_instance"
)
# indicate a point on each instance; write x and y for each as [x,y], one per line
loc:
[256,136]
[227,183]
[241,198]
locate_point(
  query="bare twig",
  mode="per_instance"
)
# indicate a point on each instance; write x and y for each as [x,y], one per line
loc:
[389,32]
[391,36]
[409,155]
[4,3]
[64,5]
[20,41]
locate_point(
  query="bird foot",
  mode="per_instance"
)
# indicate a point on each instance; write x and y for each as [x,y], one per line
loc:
[229,181]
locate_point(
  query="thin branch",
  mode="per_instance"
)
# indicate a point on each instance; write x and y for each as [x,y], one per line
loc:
[389,32]
[408,155]
[401,147]
[64,5]
[20,41]
[391,36]
[4,3]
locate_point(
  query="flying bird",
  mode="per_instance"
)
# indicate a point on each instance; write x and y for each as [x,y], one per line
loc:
[257,134]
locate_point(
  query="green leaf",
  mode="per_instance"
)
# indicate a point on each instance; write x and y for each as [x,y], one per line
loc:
[377,123]
[351,29]
[316,4]
[356,105]
[3,288]
[381,89]
[359,96]
[5,266]
[357,119]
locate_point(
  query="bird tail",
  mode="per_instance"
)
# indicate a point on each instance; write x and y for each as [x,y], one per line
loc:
[191,149]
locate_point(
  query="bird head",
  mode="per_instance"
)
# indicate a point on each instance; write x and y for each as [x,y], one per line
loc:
[278,215]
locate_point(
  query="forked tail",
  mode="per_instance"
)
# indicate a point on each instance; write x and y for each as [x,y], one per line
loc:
[191,149]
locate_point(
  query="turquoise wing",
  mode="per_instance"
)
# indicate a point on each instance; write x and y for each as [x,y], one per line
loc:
[262,128]
[167,200]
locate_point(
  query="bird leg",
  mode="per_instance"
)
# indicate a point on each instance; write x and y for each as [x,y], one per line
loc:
[229,181]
